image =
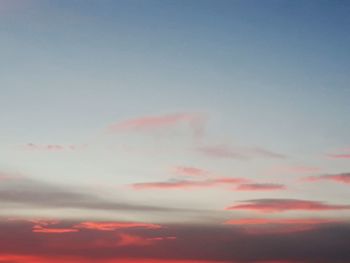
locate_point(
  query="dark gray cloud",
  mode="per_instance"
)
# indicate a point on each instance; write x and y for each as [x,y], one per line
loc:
[29,193]
[323,244]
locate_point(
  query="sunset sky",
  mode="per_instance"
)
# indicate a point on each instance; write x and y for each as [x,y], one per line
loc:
[176,131]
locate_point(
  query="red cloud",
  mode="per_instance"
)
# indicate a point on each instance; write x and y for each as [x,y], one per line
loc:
[260,187]
[281,205]
[195,120]
[111,226]
[341,178]
[133,240]
[225,151]
[187,184]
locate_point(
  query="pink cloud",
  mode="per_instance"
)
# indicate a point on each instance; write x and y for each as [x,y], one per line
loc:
[260,187]
[340,178]
[190,171]
[189,184]
[195,120]
[294,169]
[282,205]
[339,156]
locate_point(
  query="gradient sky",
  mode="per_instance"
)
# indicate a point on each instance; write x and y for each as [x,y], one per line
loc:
[145,131]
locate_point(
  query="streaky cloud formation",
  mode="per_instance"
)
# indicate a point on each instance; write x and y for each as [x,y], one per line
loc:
[262,226]
[189,184]
[343,178]
[260,187]
[281,221]
[34,194]
[226,151]
[283,205]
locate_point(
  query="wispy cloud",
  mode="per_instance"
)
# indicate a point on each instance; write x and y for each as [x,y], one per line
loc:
[189,184]
[339,156]
[196,122]
[340,178]
[260,187]
[190,171]
[263,226]
[293,170]
[283,205]
[280,221]
[54,147]
[29,193]
[226,151]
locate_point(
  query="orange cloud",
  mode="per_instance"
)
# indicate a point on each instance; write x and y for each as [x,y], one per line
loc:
[40,229]
[260,187]
[282,205]
[111,226]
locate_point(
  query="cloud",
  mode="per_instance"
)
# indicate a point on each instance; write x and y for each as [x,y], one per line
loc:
[340,178]
[112,226]
[326,243]
[194,120]
[189,184]
[279,225]
[54,147]
[260,187]
[39,229]
[339,156]
[280,221]
[190,171]
[282,205]
[294,170]
[226,151]
[30,194]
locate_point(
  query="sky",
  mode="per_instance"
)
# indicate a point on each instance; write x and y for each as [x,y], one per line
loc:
[180,131]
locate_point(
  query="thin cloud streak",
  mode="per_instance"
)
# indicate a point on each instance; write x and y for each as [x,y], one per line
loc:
[343,178]
[189,184]
[243,153]
[284,205]
[196,121]
[260,187]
